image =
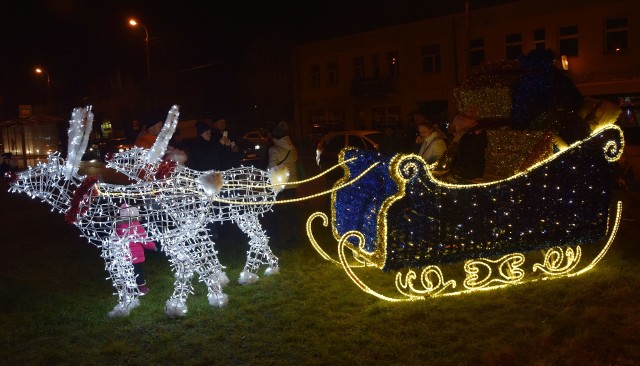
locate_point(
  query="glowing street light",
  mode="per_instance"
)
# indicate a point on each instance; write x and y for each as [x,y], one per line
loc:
[42,71]
[134,23]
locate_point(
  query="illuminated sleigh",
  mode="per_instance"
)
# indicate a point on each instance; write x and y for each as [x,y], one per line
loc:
[530,226]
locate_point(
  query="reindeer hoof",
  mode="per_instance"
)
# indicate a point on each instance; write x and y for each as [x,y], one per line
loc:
[175,308]
[223,279]
[218,300]
[271,271]
[247,278]
[122,310]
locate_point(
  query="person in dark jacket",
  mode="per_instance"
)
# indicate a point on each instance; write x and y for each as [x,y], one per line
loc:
[471,138]
[202,154]
[225,149]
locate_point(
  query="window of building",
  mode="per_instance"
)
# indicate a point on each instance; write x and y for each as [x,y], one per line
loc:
[315,76]
[358,68]
[539,39]
[394,64]
[476,52]
[513,43]
[431,58]
[375,65]
[616,34]
[333,73]
[388,115]
[568,40]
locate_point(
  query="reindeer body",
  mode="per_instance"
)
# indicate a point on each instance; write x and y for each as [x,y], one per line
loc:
[173,213]
[247,193]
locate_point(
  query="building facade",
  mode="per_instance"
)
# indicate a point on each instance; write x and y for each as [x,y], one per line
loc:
[377,78]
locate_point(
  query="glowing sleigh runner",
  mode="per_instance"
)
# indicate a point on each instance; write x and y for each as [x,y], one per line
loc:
[531,226]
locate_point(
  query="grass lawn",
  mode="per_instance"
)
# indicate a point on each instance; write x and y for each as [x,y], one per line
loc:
[55,299]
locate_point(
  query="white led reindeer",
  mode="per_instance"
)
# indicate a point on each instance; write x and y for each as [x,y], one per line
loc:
[247,193]
[167,208]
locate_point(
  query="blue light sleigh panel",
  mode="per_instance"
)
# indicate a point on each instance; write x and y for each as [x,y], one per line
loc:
[408,218]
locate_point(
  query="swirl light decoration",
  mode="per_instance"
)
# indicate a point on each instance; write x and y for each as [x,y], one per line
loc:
[400,217]
[174,204]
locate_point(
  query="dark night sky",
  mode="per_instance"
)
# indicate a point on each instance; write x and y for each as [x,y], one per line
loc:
[79,40]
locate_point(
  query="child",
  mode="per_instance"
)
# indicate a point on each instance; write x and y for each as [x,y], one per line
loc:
[129,225]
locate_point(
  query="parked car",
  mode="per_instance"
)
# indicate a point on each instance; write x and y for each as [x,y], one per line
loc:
[332,143]
[114,145]
[257,138]
[254,149]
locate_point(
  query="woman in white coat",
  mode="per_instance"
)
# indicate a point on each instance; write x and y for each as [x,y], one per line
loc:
[284,153]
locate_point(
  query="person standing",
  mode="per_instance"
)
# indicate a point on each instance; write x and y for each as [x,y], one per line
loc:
[471,138]
[129,226]
[202,155]
[132,131]
[283,153]
[429,144]
[227,152]
[149,133]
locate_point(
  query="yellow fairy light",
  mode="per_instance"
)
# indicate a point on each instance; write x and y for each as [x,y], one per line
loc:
[480,274]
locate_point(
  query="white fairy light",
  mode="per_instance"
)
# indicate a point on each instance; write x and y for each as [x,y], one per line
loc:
[236,187]
[165,208]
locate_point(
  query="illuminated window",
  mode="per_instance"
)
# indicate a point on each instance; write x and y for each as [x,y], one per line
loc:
[616,34]
[394,64]
[513,43]
[431,58]
[568,40]
[388,115]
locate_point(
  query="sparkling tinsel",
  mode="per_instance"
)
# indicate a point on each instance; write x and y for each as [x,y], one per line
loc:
[435,223]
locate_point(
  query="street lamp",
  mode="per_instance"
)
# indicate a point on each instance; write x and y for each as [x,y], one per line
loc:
[135,23]
[42,71]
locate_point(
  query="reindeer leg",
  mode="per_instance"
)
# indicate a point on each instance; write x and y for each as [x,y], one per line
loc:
[183,267]
[209,269]
[117,257]
[259,251]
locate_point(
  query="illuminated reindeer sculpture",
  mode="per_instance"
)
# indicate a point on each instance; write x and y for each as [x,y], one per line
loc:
[170,209]
[238,195]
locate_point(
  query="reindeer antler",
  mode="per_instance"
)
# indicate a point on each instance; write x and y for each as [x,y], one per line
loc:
[162,141]
[80,127]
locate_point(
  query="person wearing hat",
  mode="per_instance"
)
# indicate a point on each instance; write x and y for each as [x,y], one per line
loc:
[7,163]
[227,152]
[128,226]
[284,153]
[470,142]
[147,137]
[202,154]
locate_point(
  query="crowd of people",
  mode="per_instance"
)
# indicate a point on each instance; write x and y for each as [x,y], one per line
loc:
[214,148]
[456,155]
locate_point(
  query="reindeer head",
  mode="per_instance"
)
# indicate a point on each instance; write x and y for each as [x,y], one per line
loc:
[141,164]
[52,181]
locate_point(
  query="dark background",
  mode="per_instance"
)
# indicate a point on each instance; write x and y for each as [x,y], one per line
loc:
[199,51]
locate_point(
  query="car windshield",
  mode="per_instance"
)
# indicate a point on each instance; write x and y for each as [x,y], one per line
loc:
[376,137]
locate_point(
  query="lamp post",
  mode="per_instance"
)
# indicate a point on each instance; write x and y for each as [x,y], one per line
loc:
[42,71]
[135,23]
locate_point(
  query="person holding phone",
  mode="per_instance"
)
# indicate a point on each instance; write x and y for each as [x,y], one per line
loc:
[225,149]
